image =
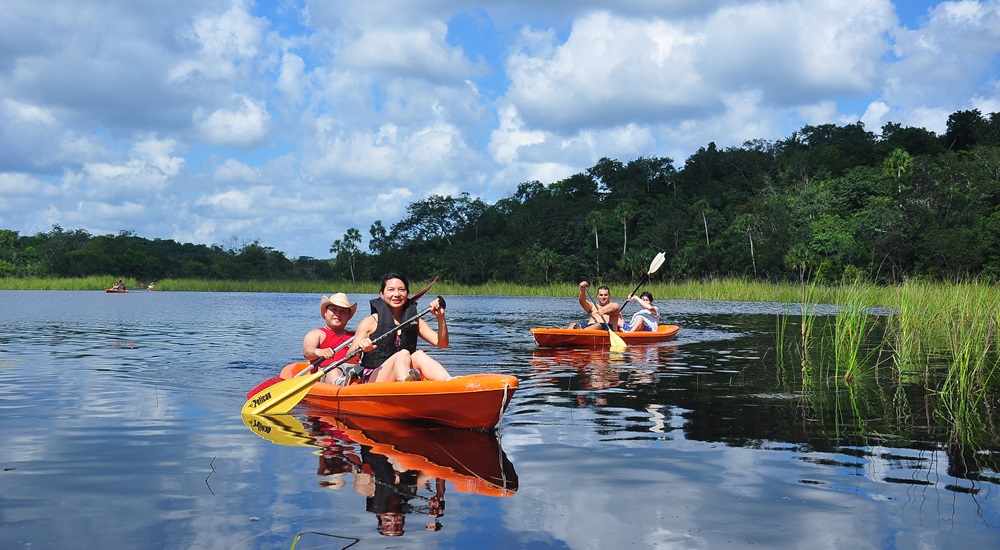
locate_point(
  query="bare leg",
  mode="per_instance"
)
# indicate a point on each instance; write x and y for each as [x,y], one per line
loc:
[395,367]
[428,367]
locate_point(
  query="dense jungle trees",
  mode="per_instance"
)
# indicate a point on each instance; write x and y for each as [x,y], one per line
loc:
[827,203]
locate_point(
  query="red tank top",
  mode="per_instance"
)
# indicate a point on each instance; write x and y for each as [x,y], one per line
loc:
[332,340]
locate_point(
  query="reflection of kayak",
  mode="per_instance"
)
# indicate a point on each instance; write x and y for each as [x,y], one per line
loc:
[115,290]
[555,337]
[472,460]
[475,401]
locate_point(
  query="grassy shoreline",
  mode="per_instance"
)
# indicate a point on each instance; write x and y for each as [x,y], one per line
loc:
[716,289]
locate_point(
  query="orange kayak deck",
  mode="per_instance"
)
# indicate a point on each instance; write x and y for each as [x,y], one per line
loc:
[563,337]
[473,401]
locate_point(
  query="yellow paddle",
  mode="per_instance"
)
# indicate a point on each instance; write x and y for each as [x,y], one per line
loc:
[617,344]
[281,397]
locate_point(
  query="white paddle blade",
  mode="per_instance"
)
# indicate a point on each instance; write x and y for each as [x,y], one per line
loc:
[656,263]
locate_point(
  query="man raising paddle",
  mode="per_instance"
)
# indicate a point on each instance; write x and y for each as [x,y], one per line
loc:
[603,316]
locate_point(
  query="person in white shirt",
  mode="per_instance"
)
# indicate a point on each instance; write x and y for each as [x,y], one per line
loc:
[648,318]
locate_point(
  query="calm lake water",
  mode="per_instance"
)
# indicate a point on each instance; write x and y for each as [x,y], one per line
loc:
[122,430]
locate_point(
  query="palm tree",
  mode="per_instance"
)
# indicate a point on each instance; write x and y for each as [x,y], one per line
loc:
[702,206]
[897,162]
[746,222]
[594,220]
[545,258]
[625,211]
[347,250]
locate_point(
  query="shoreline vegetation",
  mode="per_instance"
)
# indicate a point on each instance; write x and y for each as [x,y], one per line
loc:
[729,289]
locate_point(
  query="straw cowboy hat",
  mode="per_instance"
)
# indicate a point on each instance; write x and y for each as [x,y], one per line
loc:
[340,300]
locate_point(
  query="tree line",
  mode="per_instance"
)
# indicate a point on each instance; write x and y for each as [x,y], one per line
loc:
[826,204]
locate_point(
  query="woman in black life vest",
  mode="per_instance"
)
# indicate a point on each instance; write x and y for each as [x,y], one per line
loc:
[397,358]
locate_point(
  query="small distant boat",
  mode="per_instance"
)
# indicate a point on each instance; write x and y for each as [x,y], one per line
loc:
[563,337]
[116,290]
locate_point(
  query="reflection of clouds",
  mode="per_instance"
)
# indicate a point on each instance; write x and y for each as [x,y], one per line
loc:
[678,493]
[115,461]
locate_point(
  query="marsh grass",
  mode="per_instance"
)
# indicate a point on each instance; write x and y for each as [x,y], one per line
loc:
[851,335]
[971,328]
[950,331]
[914,329]
[744,291]
[93,282]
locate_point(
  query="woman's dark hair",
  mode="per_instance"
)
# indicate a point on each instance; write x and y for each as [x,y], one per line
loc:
[645,294]
[394,275]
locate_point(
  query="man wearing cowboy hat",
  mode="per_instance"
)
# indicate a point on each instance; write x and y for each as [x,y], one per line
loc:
[336,310]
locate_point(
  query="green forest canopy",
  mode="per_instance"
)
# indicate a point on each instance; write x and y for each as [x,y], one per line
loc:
[826,204]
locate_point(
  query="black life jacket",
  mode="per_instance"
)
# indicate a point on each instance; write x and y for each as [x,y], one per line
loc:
[386,347]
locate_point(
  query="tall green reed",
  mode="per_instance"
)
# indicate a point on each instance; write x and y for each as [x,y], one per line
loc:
[971,330]
[851,335]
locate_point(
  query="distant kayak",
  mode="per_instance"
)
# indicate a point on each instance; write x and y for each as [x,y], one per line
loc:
[562,337]
[475,401]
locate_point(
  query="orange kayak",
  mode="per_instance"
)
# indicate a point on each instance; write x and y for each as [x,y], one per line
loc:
[562,337]
[475,401]
[115,290]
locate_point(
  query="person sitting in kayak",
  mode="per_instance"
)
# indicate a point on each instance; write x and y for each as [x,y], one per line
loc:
[648,318]
[604,315]
[336,311]
[397,358]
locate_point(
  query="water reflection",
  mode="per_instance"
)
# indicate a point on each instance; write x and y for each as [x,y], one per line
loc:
[402,469]
[590,374]
[126,404]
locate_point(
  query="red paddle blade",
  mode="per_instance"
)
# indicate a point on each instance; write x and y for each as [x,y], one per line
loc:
[272,381]
[265,384]
[424,290]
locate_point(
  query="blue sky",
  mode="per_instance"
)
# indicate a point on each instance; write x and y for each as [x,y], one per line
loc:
[288,122]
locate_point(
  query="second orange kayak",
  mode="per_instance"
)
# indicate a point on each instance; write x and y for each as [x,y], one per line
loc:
[563,337]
